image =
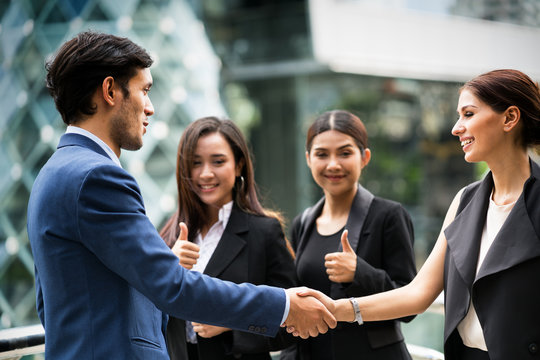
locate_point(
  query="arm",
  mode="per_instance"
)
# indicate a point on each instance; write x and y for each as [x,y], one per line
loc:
[410,299]
[113,225]
[39,298]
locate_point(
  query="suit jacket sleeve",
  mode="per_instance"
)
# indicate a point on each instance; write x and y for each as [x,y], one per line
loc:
[39,298]
[113,225]
[390,225]
[280,272]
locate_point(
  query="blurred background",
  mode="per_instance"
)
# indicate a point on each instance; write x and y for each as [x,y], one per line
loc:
[271,66]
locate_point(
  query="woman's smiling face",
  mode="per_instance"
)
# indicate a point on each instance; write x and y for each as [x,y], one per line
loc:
[336,162]
[214,170]
[479,128]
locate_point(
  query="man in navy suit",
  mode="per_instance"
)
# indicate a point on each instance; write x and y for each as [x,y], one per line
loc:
[104,277]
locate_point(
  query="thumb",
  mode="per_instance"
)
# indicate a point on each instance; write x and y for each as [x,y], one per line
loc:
[345,241]
[183,232]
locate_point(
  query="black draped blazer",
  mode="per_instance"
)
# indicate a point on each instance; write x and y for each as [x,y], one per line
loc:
[506,290]
[381,233]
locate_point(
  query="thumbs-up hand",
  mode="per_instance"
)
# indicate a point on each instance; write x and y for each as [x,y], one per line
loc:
[341,266]
[187,252]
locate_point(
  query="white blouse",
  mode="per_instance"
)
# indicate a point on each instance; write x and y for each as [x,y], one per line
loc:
[208,245]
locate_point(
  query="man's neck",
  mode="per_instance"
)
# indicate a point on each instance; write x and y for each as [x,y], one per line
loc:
[99,129]
[81,131]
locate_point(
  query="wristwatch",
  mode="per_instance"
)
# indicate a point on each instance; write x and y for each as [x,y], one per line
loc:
[357,315]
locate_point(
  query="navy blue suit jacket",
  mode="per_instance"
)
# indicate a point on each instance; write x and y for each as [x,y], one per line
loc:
[103,274]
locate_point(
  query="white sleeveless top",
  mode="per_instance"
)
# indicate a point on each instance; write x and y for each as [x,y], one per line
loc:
[469,328]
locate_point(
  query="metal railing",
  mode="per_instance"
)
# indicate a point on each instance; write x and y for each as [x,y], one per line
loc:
[20,341]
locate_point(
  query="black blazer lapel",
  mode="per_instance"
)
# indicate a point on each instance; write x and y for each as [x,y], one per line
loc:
[357,216]
[229,245]
[516,242]
[463,233]
[307,224]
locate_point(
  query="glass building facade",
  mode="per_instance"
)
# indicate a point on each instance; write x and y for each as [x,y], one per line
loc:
[252,61]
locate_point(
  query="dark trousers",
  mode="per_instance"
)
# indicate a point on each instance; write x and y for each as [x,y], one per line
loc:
[193,352]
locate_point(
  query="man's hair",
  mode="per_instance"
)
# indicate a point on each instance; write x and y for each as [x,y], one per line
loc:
[82,63]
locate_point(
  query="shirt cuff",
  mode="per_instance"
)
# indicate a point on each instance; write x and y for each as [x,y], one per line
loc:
[287,307]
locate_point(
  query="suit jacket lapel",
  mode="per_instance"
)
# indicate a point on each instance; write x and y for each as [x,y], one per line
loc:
[517,240]
[229,245]
[463,234]
[357,216]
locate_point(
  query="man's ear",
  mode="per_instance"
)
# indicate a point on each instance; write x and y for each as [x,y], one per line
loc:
[108,90]
[511,117]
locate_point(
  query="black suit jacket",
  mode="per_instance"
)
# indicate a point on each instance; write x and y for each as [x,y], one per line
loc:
[381,233]
[252,249]
[506,291]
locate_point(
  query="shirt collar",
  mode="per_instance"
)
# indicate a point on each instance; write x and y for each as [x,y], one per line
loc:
[225,213]
[77,130]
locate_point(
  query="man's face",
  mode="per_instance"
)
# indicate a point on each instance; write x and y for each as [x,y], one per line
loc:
[129,123]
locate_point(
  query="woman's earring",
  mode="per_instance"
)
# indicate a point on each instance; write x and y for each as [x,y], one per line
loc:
[241,182]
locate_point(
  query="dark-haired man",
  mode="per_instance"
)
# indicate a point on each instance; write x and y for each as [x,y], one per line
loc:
[103,274]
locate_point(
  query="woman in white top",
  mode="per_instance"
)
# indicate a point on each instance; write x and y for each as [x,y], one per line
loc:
[231,236]
[487,257]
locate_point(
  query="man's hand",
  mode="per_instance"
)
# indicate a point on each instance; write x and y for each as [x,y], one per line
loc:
[187,252]
[208,331]
[341,266]
[342,309]
[308,316]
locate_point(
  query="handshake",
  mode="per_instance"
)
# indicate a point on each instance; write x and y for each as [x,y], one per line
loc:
[311,312]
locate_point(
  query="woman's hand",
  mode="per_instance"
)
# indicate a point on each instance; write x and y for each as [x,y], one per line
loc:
[208,331]
[341,266]
[187,252]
